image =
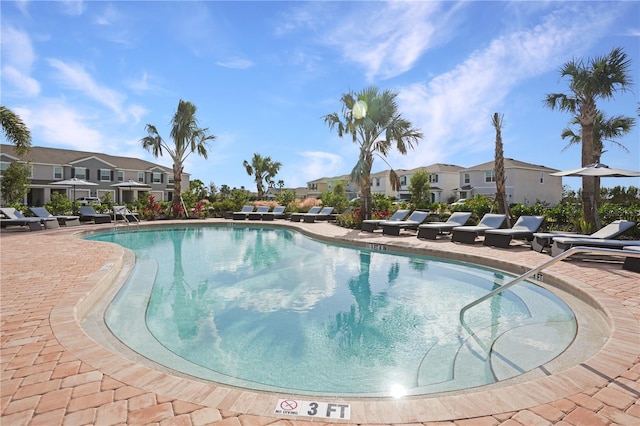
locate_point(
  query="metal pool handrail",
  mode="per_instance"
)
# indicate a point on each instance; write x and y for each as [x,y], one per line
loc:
[563,255]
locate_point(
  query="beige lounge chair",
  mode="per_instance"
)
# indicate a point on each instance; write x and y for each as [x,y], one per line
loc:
[543,240]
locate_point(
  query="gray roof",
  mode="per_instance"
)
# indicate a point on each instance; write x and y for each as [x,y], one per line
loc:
[510,163]
[45,155]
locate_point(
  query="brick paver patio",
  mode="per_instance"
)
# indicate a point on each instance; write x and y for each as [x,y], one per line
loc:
[53,373]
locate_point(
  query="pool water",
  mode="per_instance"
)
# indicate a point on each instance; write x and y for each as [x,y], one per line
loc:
[268,308]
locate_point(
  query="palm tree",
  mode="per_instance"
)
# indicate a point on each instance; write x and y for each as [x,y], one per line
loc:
[501,192]
[15,131]
[263,170]
[187,139]
[374,123]
[605,130]
[600,78]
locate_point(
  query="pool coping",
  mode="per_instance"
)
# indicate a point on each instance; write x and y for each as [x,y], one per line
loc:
[616,356]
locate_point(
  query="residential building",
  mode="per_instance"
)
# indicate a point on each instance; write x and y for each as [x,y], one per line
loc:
[315,188]
[443,180]
[51,165]
[525,183]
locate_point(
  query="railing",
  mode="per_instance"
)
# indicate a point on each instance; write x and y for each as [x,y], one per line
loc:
[125,213]
[561,256]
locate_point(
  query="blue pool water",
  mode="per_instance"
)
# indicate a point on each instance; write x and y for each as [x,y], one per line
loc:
[271,309]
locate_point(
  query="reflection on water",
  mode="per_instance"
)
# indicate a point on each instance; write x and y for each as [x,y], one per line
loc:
[270,308]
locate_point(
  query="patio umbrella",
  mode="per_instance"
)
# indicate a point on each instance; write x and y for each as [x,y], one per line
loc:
[130,185]
[73,182]
[598,170]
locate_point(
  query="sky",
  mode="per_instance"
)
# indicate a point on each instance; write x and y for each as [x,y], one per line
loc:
[90,75]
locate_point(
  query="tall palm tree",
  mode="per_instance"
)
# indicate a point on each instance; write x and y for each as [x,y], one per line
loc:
[263,169]
[15,131]
[372,119]
[599,78]
[187,139]
[605,130]
[501,191]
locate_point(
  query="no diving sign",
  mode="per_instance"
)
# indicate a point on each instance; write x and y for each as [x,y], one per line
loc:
[326,410]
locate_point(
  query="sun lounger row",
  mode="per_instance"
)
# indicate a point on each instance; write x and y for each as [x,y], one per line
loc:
[45,220]
[262,213]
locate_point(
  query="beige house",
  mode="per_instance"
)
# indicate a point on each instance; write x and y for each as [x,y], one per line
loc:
[50,165]
[443,178]
[315,188]
[525,183]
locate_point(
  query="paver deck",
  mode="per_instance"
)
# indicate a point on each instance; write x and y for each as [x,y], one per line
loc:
[52,372]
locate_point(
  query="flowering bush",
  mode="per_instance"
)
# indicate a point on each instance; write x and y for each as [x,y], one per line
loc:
[350,219]
[151,210]
[199,210]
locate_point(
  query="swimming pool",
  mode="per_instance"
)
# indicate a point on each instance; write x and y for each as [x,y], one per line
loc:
[271,309]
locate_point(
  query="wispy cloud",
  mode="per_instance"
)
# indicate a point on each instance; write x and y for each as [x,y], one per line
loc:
[387,41]
[454,108]
[18,59]
[314,164]
[75,77]
[73,7]
[236,63]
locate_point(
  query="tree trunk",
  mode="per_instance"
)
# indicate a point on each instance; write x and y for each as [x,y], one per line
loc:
[501,196]
[588,114]
[176,202]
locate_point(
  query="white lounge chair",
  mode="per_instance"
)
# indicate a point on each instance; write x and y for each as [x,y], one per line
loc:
[468,234]
[412,222]
[523,229]
[431,230]
[542,240]
[371,225]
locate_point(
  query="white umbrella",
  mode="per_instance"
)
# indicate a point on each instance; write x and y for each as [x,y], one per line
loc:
[130,185]
[597,170]
[73,182]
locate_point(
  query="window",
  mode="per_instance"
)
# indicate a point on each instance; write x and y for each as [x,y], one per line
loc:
[467,179]
[157,177]
[81,173]
[541,177]
[141,177]
[105,175]
[433,178]
[489,176]
[4,166]
[170,179]
[403,180]
[377,181]
[120,176]
[57,172]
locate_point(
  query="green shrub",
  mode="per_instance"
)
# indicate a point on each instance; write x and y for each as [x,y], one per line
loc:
[59,205]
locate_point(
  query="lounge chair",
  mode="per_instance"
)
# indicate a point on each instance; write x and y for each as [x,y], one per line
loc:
[468,234]
[88,214]
[631,263]
[243,213]
[412,222]
[325,214]
[63,220]
[523,229]
[431,230]
[277,213]
[124,214]
[257,215]
[561,244]
[16,218]
[297,217]
[373,224]
[542,240]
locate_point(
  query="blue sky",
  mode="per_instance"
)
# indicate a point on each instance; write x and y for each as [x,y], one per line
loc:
[90,75]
